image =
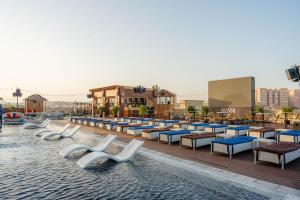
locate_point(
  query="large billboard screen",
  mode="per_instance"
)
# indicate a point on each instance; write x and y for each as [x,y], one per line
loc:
[235,95]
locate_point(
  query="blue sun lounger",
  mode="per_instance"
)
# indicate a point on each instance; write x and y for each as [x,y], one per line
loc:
[215,128]
[197,126]
[113,125]
[289,136]
[138,130]
[233,145]
[237,130]
[172,136]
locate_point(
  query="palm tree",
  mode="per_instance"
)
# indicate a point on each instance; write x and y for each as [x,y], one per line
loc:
[114,110]
[205,111]
[17,94]
[100,110]
[143,110]
[192,110]
[286,111]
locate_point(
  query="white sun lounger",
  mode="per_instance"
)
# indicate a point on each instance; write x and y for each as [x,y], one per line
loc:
[66,134]
[35,126]
[99,147]
[30,123]
[126,154]
[45,130]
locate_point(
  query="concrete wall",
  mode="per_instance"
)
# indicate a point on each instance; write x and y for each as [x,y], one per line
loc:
[234,95]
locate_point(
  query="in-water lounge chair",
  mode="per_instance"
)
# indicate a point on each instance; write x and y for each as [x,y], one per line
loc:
[215,128]
[289,136]
[196,126]
[197,140]
[35,126]
[135,131]
[32,123]
[123,128]
[68,133]
[172,136]
[79,147]
[45,130]
[153,133]
[237,130]
[279,153]
[262,133]
[126,154]
[232,146]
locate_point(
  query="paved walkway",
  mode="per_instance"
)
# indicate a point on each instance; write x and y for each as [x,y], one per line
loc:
[241,163]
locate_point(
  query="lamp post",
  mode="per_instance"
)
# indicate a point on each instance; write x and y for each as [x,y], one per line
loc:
[17,94]
[90,97]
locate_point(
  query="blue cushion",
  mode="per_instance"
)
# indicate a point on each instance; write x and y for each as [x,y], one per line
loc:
[291,133]
[217,126]
[239,128]
[179,132]
[199,124]
[233,141]
[140,127]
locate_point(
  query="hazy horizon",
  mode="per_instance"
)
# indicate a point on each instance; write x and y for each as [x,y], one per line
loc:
[67,47]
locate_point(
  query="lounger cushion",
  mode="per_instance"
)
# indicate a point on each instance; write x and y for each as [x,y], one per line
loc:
[280,147]
[176,132]
[199,136]
[239,128]
[291,133]
[236,140]
[262,130]
[217,126]
[199,124]
[156,130]
[140,127]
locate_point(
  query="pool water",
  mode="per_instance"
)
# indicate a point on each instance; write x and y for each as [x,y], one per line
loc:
[33,169]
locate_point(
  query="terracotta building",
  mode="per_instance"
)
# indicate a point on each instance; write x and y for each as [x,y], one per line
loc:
[159,102]
[35,104]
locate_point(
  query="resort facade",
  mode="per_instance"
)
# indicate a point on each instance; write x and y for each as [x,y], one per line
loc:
[160,102]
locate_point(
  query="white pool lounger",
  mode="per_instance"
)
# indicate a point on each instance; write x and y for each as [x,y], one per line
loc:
[98,148]
[35,126]
[31,123]
[66,134]
[126,154]
[45,130]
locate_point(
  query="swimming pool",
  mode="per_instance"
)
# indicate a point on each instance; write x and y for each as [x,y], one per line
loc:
[33,169]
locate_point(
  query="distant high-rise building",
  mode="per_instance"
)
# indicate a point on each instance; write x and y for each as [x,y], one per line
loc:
[294,98]
[262,96]
[272,97]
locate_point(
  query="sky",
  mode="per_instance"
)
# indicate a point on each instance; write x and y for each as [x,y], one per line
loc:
[62,48]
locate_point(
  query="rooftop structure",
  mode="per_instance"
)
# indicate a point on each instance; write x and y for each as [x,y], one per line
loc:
[35,103]
[160,102]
